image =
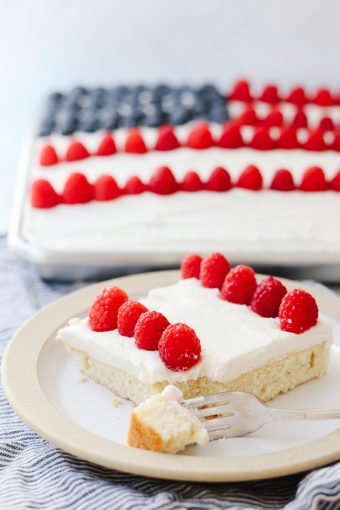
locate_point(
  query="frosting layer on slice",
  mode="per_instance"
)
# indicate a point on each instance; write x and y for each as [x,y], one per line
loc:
[234,340]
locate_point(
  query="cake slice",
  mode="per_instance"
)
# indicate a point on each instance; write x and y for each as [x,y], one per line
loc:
[222,332]
[162,424]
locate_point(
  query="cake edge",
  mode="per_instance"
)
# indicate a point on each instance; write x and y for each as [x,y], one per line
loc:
[266,382]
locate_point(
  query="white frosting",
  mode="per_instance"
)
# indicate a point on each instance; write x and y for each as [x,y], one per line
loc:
[173,393]
[267,226]
[233,339]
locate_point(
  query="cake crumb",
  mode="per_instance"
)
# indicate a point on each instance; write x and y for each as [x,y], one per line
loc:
[82,380]
[116,402]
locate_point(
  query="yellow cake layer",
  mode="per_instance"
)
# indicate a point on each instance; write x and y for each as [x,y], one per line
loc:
[265,382]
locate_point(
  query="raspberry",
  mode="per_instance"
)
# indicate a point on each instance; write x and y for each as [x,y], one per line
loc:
[219,180]
[128,315]
[191,182]
[231,137]
[105,188]
[335,146]
[298,311]
[76,151]
[239,285]
[241,91]
[326,124]
[104,309]
[297,96]
[43,195]
[214,268]
[149,329]
[335,182]
[179,348]
[273,119]
[288,139]
[270,94]
[166,140]
[250,178]
[163,181]
[262,140]
[315,141]
[191,266]
[300,120]
[267,297]
[134,142]
[200,137]
[77,189]
[134,186]
[48,156]
[282,181]
[322,98]
[248,117]
[314,180]
[107,146]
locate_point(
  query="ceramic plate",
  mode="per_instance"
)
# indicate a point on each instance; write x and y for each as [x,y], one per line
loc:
[46,389]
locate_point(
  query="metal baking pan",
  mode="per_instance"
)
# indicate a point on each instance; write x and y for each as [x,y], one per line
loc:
[70,265]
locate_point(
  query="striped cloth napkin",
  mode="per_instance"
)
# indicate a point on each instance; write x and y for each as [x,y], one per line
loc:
[35,475]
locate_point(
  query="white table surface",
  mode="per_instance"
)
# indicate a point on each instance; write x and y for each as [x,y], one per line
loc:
[59,43]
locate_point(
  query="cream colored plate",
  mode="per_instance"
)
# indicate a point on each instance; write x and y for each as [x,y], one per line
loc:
[40,380]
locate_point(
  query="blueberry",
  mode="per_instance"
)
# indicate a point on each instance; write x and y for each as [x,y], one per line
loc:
[79,91]
[134,120]
[98,97]
[169,103]
[218,100]
[46,128]
[131,100]
[121,90]
[112,121]
[146,97]
[67,126]
[77,96]
[90,125]
[161,90]
[137,90]
[135,117]
[183,89]
[55,97]
[198,112]
[155,119]
[179,116]
[49,116]
[207,90]
[69,103]
[218,115]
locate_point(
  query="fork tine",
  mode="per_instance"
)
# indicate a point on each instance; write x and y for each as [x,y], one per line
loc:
[214,398]
[220,434]
[216,424]
[213,411]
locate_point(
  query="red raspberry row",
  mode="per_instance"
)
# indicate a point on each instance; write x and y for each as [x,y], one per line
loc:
[241,91]
[297,310]
[275,118]
[78,190]
[199,138]
[177,344]
[263,139]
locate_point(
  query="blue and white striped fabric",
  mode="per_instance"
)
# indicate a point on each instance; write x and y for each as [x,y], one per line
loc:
[35,475]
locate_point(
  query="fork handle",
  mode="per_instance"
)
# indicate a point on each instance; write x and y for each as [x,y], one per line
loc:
[304,414]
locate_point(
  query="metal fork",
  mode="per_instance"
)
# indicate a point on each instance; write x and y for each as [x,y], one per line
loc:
[233,414]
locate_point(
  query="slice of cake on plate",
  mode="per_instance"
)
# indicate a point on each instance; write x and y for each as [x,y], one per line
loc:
[162,424]
[217,329]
